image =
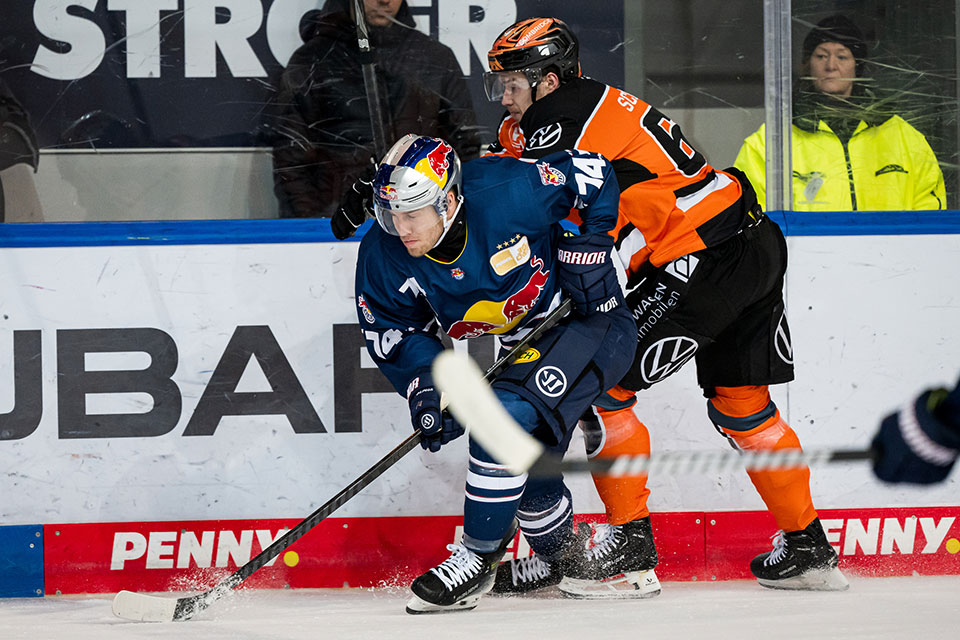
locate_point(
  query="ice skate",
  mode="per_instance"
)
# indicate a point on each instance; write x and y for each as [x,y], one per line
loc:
[800,560]
[523,575]
[457,583]
[617,563]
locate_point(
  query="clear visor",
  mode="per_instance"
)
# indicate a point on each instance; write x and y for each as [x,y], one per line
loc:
[500,83]
[406,223]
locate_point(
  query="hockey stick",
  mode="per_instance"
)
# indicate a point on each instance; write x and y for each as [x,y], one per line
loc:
[473,403]
[145,608]
[368,67]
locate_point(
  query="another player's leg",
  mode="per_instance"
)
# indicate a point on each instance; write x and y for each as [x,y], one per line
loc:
[619,562]
[489,525]
[801,557]
[750,349]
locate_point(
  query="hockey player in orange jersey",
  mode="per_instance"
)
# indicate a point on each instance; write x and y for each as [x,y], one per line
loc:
[705,276]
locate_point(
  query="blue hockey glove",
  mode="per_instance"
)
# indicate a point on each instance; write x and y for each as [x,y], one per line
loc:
[587,273]
[914,445]
[436,427]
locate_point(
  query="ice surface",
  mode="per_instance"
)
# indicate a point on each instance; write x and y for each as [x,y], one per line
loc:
[918,607]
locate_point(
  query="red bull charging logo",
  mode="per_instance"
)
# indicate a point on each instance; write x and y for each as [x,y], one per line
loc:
[387,192]
[488,316]
[437,159]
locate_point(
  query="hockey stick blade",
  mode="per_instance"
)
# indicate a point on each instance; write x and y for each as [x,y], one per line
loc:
[145,608]
[474,404]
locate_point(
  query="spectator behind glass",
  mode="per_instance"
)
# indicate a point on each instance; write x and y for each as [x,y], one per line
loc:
[851,151]
[324,136]
[18,151]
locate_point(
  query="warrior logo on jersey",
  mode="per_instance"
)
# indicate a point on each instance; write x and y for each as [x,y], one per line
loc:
[550,176]
[488,316]
[545,136]
[457,273]
[367,314]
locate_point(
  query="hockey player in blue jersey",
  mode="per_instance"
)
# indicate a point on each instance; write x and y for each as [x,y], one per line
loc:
[474,250]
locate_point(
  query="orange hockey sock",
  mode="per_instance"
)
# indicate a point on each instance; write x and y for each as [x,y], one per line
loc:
[752,420]
[624,498]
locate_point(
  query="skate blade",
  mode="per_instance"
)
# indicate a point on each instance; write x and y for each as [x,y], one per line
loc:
[629,585]
[818,580]
[546,590]
[416,606]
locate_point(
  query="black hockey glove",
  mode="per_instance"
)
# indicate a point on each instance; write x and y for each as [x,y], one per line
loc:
[436,427]
[915,445]
[355,207]
[586,272]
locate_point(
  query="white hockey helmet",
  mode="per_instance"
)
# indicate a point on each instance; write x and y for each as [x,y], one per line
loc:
[417,171]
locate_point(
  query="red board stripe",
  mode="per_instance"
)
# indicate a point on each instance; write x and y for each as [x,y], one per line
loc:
[191,555]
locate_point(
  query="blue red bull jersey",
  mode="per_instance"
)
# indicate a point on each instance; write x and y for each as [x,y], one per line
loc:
[503,282]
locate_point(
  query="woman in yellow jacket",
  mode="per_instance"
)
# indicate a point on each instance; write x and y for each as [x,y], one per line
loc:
[849,151]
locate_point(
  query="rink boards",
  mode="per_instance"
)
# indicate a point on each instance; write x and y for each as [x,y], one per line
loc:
[178,392]
[371,552]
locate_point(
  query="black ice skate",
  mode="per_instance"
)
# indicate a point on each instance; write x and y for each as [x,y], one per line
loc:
[800,560]
[617,563]
[457,583]
[523,575]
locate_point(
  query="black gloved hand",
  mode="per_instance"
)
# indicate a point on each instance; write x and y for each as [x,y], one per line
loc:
[355,207]
[436,427]
[915,445]
[587,273]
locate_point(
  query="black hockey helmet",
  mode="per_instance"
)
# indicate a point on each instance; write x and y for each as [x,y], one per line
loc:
[534,47]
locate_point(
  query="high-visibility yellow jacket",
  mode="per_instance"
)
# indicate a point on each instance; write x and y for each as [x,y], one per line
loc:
[883,167]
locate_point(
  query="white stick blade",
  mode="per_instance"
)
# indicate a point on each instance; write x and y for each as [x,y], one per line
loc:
[143,608]
[474,404]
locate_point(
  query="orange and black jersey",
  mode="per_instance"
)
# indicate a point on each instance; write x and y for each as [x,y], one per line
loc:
[672,201]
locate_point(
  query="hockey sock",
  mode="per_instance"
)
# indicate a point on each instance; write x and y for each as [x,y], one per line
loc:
[546,516]
[618,432]
[493,492]
[752,421]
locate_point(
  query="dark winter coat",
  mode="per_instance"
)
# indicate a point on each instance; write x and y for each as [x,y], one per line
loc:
[324,136]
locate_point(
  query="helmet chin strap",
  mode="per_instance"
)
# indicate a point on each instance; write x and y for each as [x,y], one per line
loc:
[448,222]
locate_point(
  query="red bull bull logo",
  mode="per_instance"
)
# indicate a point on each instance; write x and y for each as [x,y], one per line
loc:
[550,176]
[500,317]
[437,159]
[386,192]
